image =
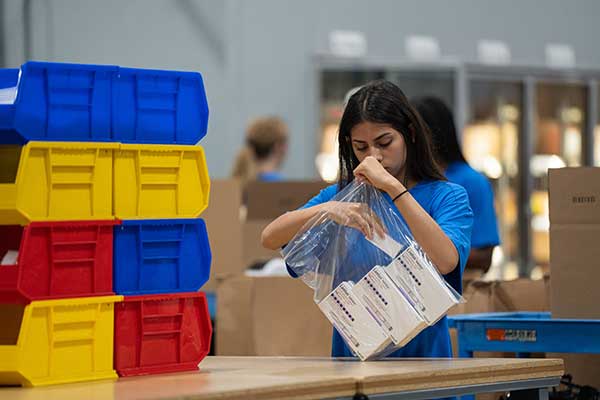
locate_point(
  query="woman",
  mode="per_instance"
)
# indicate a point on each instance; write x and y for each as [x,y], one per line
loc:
[384,141]
[484,236]
[264,152]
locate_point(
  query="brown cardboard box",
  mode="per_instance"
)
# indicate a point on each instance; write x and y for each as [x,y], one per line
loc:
[234,239]
[222,219]
[266,201]
[575,256]
[574,249]
[500,296]
[504,296]
[478,298]
[252,249]
[269,316]
[522,295]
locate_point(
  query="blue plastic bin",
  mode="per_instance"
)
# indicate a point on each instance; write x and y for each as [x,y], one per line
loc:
[75,102]
[160,256]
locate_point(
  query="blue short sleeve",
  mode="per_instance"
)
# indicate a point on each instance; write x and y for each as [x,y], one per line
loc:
[485,226]
[273,176]
[481,199]
[449,207]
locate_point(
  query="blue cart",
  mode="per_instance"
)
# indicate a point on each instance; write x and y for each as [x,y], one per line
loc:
[524,333]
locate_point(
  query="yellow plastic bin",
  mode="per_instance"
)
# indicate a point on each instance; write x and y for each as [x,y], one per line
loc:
[160,181]
[57,341]
[56,181]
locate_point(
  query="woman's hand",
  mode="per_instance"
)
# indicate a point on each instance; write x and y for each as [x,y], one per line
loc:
[355,215]
[372,171]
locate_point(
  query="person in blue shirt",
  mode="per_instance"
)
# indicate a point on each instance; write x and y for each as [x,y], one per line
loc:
[384,141]
[484,236]
[264,151]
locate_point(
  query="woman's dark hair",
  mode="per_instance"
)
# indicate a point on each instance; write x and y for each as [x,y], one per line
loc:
[438,117]
[382,102]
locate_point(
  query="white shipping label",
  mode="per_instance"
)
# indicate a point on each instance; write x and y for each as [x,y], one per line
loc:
[359,329]
[386,244]
[389,305]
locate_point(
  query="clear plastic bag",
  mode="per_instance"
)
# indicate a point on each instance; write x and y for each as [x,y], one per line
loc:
[370,277]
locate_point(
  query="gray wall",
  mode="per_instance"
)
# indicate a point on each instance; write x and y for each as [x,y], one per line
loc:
[257,56]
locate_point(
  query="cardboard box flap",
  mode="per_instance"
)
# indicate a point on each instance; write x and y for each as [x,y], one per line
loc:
[222,219]
[574,195]
[269,200]
[522,295]
[269,316]
[574,258]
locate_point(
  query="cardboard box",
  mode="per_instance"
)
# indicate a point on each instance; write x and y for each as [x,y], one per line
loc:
[252,249]
[235,235]
[504,296]
[575,256]
[501,296]
[521,295]
[478,298]
[222,219]
[268,200]
[574,249]
[269,316]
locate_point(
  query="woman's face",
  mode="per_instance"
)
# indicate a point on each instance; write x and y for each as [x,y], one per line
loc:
[383,142]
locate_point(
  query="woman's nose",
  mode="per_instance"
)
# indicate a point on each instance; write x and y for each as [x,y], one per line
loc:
[376,153]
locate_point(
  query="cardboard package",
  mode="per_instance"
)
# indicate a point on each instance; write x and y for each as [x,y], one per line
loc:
[224,228]
[521,295]
[259,316]
[269,316]
[575,257]
[252,250]
[234,231]
[478,298]
[504,296]
[501,296]
[266,201]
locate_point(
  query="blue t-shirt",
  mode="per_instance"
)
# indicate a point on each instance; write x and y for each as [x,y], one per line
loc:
[481,199]
[272,176]
[448,205]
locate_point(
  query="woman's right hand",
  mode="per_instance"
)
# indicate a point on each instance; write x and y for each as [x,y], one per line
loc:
[355,215]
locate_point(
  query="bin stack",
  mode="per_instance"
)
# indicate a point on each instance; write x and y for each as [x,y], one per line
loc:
[103,251]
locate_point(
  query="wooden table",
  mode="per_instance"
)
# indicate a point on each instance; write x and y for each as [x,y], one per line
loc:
[315,378]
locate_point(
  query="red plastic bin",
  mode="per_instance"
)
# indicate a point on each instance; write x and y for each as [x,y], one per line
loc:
[57,260]
[161,333]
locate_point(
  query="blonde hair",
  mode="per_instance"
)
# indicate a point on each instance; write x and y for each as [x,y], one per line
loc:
[262,135]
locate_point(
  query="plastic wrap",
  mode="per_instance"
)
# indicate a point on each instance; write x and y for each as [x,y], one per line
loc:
[370,277]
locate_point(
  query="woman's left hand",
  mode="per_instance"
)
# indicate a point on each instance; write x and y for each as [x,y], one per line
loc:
[373,172]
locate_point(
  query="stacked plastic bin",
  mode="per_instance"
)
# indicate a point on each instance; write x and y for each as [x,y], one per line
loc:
[101,187]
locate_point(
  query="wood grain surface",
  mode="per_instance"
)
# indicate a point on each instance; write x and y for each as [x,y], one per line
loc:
[298,378]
